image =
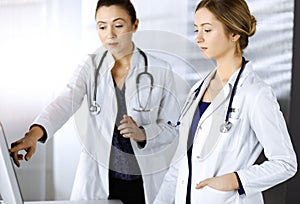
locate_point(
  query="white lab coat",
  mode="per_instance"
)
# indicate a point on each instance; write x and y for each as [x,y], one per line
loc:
[258,124]
[91,181]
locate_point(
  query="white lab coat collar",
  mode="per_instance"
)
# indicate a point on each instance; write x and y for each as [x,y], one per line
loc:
[218,101]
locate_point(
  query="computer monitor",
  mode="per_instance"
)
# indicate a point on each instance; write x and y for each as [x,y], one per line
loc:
[9,186]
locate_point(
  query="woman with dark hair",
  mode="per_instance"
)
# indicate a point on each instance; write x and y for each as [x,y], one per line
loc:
[130,95]
[233,116]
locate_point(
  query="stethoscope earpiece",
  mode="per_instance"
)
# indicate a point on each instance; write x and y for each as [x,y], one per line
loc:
[173,124]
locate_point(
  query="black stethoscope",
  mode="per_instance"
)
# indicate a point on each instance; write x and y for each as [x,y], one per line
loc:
[226,126]
[95,107]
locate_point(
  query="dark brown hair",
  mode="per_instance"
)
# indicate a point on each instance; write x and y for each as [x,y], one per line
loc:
[125,4]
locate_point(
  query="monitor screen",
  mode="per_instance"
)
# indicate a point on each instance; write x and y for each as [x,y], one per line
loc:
[9,186]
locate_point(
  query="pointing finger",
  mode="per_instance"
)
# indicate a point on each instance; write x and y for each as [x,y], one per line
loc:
[15,156]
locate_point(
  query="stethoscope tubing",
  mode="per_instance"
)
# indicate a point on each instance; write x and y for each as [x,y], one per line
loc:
[244,62]
[97,74]
[95,107]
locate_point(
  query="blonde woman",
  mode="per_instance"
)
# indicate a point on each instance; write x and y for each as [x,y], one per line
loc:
[229,119]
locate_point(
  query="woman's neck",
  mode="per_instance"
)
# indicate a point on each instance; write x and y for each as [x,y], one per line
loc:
[124,55]
[121,69]
[226,67]
[123,62]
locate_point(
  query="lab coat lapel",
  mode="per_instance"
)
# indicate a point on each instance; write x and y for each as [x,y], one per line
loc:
[188,116]
[135,64]
[210,122]
[106,88]
[223,95]
[191,110]
[217,102]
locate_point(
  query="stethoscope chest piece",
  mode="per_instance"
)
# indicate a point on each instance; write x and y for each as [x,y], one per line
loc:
[95,108]
[225,127]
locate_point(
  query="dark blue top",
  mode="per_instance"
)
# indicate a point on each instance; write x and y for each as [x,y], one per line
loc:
[199,112]
[123,164]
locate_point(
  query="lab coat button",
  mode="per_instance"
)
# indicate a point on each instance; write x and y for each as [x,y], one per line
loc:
[198,157]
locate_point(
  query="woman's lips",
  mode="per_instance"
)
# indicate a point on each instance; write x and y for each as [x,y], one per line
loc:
[203,48]
[112,44]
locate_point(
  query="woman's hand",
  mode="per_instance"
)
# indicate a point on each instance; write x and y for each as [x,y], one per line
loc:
[27,143]
[227,182]
[129,129]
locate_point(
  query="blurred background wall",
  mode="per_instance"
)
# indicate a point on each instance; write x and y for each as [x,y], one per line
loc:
[42,41]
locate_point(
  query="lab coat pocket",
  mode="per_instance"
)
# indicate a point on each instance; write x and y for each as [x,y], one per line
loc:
[209,195]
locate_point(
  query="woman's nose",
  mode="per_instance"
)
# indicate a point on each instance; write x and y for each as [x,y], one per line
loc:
[199,38]
[111,33]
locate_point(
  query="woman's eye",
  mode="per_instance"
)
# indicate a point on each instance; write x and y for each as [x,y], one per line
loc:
[101,27]
[119,26]
[207,30]
[196,31]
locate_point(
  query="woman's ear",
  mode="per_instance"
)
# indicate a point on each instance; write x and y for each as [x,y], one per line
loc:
[235,37]
[136,25]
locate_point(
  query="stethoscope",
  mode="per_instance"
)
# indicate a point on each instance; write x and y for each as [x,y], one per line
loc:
[226,126]
[95,108]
